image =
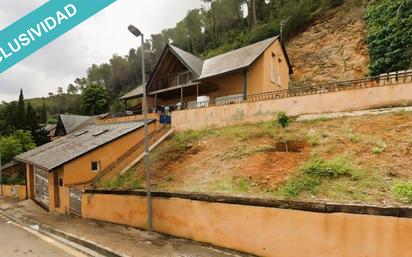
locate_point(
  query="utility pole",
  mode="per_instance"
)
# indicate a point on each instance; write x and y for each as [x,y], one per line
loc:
[137,33]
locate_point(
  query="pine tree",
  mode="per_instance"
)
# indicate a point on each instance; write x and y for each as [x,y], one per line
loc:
[43,113]
[20,112]
[40,135]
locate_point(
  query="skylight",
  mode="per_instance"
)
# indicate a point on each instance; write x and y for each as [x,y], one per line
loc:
[100,132]
[80,133]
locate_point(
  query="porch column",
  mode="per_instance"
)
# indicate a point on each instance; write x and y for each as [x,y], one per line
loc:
[197,90]
[181,98]
[244,93]
[155,104]
[125,106]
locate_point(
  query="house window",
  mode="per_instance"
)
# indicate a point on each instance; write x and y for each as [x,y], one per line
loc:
[96,166]
[276,70]
[272,69]
[279,80]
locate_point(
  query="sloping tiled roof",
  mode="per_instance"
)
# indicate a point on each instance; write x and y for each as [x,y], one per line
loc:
[71,122]
[8,165]
[234,60]
[63,150]
[192,62]
[133,94]
[50,127]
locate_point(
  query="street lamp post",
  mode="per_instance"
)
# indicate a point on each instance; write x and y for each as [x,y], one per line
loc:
[1,176]
[135,31]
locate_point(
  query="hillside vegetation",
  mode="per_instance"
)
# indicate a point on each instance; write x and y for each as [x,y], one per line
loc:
[357,159]
[326,40]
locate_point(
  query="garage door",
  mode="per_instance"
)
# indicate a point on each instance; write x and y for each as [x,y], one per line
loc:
[41,187]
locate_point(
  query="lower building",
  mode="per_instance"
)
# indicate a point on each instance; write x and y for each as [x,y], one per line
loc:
[58,170]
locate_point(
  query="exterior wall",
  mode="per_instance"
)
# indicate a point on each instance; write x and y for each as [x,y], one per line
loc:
[228,84]
[356,99]
[79,170]
[14,191]
[276,232]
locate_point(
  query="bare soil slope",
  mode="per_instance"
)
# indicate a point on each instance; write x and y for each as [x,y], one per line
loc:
[355,159]
[332,47]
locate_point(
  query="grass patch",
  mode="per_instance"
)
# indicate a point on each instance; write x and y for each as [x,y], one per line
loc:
[240,151]
[402,190]
[126,181]
[353,137]
[315,172]
[237,184]
[316,137]
[300,183]
[377,150]
[337,167]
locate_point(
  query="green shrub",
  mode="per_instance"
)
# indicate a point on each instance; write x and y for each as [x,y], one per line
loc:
[314,172]
[403,191]
[283,119]
[301,183]
[334,168]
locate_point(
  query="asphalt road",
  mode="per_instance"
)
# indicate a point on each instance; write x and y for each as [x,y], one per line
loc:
[17,242]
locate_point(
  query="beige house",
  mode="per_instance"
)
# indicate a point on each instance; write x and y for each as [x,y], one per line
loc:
[182,80]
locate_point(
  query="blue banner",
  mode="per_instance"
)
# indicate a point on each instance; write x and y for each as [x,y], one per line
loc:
[43,25]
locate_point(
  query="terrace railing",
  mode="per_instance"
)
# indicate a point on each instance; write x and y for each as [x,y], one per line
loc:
[389,79]
[173,80]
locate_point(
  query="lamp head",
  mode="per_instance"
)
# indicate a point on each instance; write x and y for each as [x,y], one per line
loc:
[135,31]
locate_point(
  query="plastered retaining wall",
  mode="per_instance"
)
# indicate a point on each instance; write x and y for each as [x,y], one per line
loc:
[262,227]
[14,191]
[355,99]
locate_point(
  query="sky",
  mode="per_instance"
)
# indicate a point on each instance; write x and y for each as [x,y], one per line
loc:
[93,41]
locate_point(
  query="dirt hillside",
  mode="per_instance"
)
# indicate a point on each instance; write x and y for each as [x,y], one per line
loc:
[355,159]
[332,47]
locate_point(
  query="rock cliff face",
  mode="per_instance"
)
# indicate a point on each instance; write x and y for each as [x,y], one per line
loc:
[332,48]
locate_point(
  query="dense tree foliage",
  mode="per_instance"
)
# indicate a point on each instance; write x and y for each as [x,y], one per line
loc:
[14,144]
[389,35]
[94,99]
[21,116]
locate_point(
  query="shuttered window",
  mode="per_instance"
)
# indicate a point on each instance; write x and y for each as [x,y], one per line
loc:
[272,68]
[279,73]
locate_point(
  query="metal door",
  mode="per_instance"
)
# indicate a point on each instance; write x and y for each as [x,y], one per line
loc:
[41,187]
[76,201]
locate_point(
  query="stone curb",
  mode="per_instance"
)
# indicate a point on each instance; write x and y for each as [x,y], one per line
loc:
[70,237]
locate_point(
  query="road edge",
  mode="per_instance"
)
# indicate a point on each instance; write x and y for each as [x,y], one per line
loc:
[44,229]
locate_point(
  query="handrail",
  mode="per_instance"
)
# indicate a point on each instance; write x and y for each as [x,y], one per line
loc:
[172,80]
[368,82]
[119,160]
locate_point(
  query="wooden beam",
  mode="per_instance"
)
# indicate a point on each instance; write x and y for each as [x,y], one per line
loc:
[181,98]
[171,88]
[244,93]
[155,104]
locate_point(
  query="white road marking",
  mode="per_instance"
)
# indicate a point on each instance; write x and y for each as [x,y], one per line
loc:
[49,240]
